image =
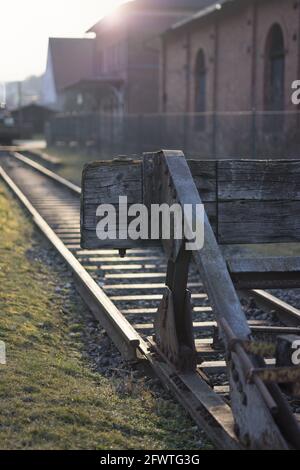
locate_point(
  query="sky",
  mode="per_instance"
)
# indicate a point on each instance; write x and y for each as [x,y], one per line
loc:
[26,26]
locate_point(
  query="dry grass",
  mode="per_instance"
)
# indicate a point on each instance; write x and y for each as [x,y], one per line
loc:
[50,397]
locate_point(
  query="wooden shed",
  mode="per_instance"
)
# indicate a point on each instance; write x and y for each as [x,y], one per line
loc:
[32,117]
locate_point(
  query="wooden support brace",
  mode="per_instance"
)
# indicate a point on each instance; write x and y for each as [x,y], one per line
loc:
[173,323]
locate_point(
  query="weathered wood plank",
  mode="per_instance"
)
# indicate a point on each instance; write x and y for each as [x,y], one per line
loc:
[256,201]
[205,177]
[246,201]
[227,180]
[258,222]
[265,180]
[103,183]
[264,272]
[280,264]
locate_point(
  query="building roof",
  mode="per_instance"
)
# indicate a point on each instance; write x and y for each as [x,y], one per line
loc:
[211,7]
[159,5]
[72,60]
[32,106]
[169,4]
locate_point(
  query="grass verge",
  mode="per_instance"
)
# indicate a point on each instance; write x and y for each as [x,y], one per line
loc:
[50,395]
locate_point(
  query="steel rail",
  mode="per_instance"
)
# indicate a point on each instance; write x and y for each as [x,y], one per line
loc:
[50,174]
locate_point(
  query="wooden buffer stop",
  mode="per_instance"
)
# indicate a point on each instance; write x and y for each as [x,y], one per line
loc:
[251,224]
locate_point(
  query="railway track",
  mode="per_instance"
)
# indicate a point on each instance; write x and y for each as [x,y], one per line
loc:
[125,293]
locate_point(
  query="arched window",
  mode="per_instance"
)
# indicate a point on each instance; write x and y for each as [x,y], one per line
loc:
[200,91]
[275,69]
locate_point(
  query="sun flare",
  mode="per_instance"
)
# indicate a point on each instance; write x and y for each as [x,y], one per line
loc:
[26,27]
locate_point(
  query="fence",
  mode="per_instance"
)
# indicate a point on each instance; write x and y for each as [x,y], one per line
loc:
[208,135]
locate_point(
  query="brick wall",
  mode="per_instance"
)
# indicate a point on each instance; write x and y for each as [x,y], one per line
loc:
[234,43]
[137,35]
[234,32]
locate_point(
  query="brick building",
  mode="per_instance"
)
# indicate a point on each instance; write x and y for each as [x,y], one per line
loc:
[234,62]
[127,55]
